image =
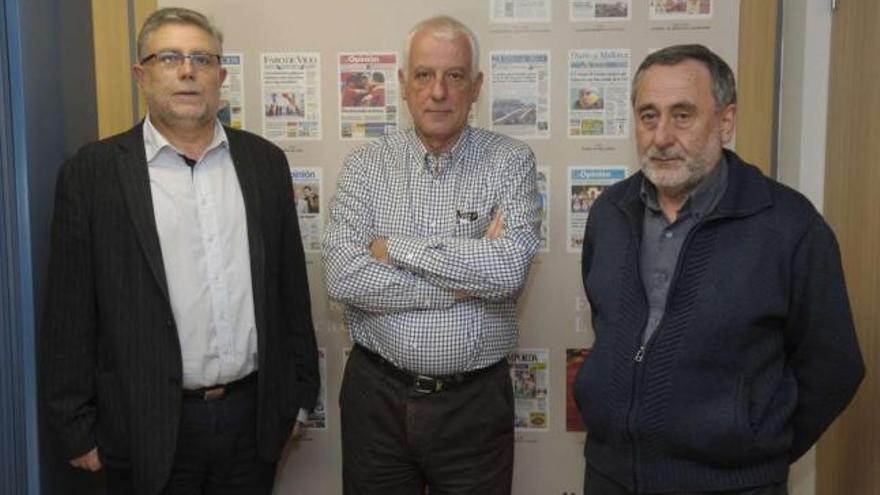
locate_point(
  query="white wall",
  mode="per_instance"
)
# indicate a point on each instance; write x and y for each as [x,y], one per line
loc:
[806,46]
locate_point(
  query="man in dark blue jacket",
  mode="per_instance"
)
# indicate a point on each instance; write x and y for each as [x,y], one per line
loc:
[724,340]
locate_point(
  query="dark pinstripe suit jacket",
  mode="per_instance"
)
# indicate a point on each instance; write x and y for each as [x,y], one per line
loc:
[111,364]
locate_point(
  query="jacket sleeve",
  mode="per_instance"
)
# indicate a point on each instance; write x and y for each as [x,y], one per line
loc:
[295,297]
[68,334]
[821,340]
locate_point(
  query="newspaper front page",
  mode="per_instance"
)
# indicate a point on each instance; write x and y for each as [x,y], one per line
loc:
[585,184]
[367,94]
[529,372]
[231,112]
[598,93]
[599,10]
[307,194]
[520,93]
[543,185]
[291,85]
[573,360]
[679,10]
[519,10]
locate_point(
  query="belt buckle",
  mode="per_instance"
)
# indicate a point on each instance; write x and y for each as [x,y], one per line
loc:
[426,384]
[215,393]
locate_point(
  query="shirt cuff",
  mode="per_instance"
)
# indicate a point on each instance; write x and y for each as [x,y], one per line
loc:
[405,251]
[430,296]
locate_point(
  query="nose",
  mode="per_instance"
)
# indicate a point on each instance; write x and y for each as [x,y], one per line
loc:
[439,89]
[664,135]
[186,68]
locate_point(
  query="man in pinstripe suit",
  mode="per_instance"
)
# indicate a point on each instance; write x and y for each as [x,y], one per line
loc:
[179,353]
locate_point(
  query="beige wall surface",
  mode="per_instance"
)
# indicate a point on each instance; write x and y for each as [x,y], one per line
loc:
[552,312]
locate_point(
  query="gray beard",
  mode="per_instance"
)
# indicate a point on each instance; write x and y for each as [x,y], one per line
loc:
[696,174]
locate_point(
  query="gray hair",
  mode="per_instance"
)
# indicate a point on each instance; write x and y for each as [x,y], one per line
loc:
[445,28]
[175,15]
[723,82]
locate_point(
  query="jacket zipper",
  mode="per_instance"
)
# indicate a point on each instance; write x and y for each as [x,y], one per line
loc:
[638,376]
[636,381]
[641,352]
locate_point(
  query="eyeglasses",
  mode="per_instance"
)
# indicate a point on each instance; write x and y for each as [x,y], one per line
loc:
[173,60]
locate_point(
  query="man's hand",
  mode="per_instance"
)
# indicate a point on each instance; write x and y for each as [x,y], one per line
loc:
[89,461]
[297,431]
[496,226]
[493,231]
[379,249]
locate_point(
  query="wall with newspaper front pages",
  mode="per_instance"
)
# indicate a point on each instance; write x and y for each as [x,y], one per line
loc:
[319,79]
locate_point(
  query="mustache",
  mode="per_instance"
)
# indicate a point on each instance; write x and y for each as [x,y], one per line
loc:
[668,154]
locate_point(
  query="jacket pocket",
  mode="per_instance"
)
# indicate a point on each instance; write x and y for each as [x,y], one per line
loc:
[592,400]
[713,426]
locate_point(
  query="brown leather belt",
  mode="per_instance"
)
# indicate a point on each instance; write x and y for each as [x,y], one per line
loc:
[425,384]
[217,392]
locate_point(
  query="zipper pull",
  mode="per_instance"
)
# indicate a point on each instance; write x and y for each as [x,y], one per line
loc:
[640,355]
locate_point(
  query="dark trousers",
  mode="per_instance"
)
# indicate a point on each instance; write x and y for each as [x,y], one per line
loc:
[396,440]
[596,483]
[216,450]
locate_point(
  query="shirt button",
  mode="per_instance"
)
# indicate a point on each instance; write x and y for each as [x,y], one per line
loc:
[668,235]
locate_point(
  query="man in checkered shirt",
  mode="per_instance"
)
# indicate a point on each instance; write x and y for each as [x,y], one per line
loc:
[431,235]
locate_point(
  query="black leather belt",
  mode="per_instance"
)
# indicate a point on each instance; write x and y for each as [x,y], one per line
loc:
[217,392]
[425,384]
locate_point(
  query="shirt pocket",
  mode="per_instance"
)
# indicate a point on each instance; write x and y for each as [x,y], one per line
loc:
[472,217]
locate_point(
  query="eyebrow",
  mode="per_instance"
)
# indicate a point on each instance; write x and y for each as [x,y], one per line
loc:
[435,69]
[178,50]
[684,105]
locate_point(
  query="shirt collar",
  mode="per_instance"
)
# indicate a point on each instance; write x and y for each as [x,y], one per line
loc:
[436,164]
[155,142]
[702,200]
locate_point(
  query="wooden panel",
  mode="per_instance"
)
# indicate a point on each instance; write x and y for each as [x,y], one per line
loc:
[756,81]
[112,66]
[113,59]
[849,454]
[142,9]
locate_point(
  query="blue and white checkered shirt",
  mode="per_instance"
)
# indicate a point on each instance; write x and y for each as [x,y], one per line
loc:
[434,210]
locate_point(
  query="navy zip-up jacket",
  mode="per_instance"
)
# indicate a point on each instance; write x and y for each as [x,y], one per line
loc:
[754,358]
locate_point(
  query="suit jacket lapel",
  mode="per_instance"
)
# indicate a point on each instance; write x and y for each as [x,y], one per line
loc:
[135,180]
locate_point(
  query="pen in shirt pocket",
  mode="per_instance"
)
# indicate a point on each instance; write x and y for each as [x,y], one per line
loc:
[464,217]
